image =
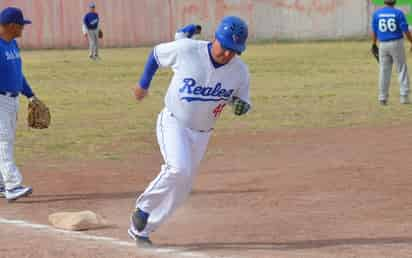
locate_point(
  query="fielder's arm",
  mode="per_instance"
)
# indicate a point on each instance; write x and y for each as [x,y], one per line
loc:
[374,38]
[84,29]
[374,48]
[404,26]
[409,37]
[27,91]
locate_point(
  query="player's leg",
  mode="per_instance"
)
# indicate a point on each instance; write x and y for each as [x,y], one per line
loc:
[160,197]
[96,41]
[399,57]
[385,65]
[172,186]
[2,187]
[10,173]
[90,38]
[198,146]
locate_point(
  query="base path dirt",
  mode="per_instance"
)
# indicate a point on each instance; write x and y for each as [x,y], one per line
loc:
[344,192]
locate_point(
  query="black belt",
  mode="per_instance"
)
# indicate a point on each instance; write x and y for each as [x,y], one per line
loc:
[9,94]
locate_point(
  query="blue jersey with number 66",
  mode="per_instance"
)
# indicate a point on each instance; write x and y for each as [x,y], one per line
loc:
[389,24]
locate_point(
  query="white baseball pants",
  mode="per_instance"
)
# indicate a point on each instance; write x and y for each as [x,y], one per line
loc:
[93,36]
[389,53]
[182,150]
[10,175]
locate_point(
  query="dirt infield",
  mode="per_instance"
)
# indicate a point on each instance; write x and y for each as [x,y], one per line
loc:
[292,193]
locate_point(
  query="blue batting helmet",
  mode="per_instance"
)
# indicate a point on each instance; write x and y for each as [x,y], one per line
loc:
[232,34]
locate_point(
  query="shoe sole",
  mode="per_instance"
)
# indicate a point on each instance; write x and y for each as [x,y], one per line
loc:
[20,196]
[139,243]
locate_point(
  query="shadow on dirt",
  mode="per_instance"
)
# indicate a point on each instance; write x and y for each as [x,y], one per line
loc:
[293,245]
[49,198]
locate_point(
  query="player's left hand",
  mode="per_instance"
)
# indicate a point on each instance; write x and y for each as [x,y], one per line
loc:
[38,115]
[240,107]
[139,93]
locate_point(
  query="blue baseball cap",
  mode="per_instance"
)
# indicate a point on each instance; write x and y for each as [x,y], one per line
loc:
[92,5]
[13,15]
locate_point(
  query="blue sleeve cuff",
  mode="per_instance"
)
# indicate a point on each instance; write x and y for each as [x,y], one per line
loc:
[404,27]
[149,71]
[27,91]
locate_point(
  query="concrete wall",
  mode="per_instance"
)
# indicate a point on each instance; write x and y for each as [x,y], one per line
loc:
[57,23]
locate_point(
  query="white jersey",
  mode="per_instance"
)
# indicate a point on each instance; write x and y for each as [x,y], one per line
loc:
[198,91]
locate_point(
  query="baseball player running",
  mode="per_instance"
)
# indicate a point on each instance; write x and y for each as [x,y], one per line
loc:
[388,26]
[91,30]
[12,84]
[188,31]
[207,77]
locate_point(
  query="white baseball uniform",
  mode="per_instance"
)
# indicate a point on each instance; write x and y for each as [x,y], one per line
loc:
[196,96]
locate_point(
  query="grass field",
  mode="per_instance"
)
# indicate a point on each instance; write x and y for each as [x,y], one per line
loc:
[293,85]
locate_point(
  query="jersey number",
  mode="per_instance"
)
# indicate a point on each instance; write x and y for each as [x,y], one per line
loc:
[218,109]
[389,24]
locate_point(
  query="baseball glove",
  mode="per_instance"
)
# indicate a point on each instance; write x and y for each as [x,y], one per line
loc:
[375,52]
[100,34]
[38,114]
[240,107]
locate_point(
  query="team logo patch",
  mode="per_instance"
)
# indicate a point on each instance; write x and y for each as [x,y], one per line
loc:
[236,38]
[11,55]
[195,92]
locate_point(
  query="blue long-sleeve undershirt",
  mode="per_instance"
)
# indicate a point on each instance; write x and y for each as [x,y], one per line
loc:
[27,91]
[149,71]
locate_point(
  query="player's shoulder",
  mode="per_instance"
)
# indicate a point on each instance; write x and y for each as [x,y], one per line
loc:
[399,11]
[239,67]
[240,64]
[187,44]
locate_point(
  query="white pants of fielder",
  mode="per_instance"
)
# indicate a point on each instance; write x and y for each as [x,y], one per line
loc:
[182,150]
[10,176]
[93,36]
[392,52]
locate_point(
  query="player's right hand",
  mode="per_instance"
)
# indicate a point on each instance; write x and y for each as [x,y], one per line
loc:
[139,93]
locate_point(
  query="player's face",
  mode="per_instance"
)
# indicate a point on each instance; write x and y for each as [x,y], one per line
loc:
[17,30]
[2,29]
[12,29]
[221,55]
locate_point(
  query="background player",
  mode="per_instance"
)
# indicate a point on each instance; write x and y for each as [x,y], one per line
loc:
[388,26]
[12,84]
[207,76]
[91,30]
[188,31]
